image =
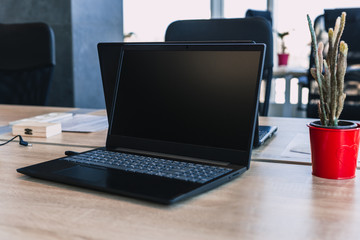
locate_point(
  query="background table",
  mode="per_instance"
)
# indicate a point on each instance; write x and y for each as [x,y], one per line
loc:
[288,73]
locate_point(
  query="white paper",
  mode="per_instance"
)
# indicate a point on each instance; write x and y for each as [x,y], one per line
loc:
[84,123]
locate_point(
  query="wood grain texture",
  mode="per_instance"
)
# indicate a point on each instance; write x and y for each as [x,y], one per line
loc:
[14,112]
[288,130]
[291,131]
[269,201]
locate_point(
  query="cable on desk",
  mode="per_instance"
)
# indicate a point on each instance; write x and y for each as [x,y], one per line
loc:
[70,153]
[21,142]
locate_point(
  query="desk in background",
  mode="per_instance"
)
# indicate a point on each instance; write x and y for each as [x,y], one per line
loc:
[288,73]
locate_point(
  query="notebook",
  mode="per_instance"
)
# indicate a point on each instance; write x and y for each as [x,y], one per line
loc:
[182,122]
[109,56]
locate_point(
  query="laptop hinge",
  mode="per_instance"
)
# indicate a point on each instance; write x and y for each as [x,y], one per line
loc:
[170,156]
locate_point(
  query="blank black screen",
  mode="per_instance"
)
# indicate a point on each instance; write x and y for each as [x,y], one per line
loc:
[203,98]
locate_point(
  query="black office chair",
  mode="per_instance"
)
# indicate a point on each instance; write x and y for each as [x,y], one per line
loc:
[351,36]
[27,60]
[259,13]
[252,28]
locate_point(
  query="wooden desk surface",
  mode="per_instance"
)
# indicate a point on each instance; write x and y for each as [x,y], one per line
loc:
[270,201]
[277,149]
[14,112]
[289,145]
[292,135]
[289,128]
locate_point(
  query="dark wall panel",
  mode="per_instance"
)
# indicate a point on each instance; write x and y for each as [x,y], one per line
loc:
[78,26]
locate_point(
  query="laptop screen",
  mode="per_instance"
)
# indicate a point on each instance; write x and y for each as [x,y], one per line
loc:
[196,96]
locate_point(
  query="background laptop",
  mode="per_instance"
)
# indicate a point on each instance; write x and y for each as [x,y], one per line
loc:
[109,57]
[182,122]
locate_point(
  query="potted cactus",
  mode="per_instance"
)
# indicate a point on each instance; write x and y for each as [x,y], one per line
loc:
[334,143]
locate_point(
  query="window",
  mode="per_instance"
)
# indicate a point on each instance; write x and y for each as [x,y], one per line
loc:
[291,16]
[148,20]
[237,9]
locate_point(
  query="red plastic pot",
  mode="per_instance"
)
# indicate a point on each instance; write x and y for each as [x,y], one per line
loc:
[334,152]
[283,59]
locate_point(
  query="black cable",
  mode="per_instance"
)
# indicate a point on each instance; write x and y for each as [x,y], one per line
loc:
[21,142]
[70,153]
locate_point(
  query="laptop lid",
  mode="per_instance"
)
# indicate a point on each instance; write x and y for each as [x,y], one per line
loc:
[187,100]
[109,57]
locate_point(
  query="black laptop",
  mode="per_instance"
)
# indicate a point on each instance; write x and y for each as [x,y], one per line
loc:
[182,122]
[109,57]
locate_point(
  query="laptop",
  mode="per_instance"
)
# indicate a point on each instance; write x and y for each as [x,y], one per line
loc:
[182,122]
[109,57]
[263,133]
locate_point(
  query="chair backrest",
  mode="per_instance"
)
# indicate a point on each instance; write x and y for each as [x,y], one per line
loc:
[259,13]
[253,28]
[351,34]
[27,60]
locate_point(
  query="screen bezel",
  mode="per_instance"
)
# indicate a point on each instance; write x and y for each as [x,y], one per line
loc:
[237,157]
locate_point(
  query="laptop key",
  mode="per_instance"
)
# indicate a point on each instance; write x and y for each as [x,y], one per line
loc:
[184,171]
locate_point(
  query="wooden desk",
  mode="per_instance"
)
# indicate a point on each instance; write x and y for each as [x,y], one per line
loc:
[270,201]
[274,150]
[280,148]
[13,112]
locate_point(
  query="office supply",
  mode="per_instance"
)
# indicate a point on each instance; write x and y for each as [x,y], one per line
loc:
[36,129]
[70,122]
[48,117]
[85,123]
[21,141]
[14,112]
[181,102]
[109,57]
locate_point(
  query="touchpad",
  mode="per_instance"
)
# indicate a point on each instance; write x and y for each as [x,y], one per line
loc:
[82,173]
[125,182]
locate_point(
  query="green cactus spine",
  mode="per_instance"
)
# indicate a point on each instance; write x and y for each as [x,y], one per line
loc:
[330,72]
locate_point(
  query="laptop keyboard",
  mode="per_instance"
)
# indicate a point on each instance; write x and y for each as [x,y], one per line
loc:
[193,172]
[262,133]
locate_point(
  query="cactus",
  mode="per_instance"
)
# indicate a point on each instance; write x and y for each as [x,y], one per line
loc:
[329,73]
